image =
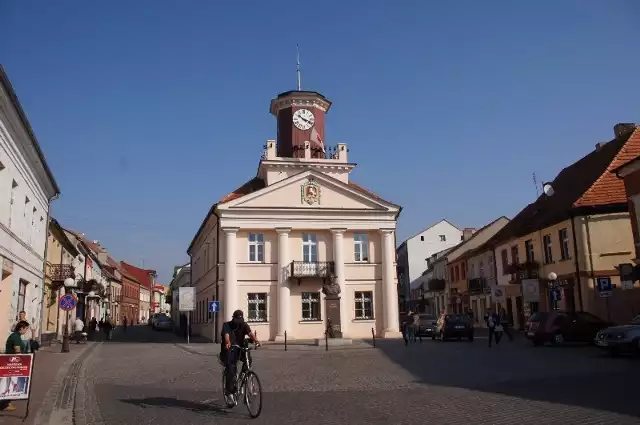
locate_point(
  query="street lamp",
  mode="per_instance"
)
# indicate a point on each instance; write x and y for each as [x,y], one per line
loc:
[553,287]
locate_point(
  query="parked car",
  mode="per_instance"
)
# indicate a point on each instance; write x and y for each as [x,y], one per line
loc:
[620,339]
[162,322]
[453,326]
[558,327]
[428,324]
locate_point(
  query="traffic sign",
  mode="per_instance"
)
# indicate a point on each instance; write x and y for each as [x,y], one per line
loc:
[214,306]
[67,302]
[605,288]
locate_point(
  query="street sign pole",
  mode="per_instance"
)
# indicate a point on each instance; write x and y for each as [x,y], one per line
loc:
[188,326]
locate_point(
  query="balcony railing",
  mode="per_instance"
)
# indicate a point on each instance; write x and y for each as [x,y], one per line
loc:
[437,284]
[60,272]
[526,270]
[300,269]
[477,286]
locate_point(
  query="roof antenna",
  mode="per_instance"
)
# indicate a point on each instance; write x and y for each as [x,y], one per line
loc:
[535,183]
[298,67]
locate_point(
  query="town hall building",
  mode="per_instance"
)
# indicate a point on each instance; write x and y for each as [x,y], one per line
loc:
[300,248]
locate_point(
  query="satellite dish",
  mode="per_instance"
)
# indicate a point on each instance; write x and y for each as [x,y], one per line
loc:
[548,189]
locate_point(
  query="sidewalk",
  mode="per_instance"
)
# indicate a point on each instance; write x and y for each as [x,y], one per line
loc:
[50,366]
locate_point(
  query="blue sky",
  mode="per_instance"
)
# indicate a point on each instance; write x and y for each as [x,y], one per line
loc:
[151,110]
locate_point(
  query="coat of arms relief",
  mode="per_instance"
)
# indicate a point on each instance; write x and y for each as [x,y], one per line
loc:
[311,192]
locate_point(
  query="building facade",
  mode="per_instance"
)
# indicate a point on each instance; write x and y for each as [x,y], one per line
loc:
[578,231]
[61,253]
[146,280]
[181,277]
[300,246]
[129,300]
[27,188]
[413,253]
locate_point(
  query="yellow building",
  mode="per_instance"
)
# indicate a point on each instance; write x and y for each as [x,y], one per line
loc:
[60,253]
[579,230]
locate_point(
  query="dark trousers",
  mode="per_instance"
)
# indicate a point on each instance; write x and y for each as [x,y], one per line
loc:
[231,364]
[492,332]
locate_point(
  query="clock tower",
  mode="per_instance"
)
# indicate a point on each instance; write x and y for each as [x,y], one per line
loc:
[300,116]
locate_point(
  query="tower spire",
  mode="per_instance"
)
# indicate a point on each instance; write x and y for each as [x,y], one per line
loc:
[298,67]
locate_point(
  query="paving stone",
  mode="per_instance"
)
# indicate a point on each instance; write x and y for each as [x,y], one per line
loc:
[165,381]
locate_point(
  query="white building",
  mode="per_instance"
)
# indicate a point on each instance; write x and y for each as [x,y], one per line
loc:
[27,188]
[181,277]
[412,255]
[282,246]
[145,304]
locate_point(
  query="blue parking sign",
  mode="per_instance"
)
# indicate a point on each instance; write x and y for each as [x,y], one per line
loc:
[214,306]
[604,286]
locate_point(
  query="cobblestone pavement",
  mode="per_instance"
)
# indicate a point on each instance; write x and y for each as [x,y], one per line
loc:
[164,381]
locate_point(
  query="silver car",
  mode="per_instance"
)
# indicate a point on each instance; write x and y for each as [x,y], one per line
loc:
[620,339]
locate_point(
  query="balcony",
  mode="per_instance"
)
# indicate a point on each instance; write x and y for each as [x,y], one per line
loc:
[60,272]
[478,286]
[321,269]
[436,285]
[526,270]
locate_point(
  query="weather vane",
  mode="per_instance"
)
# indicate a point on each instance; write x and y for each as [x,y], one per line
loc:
[298,67]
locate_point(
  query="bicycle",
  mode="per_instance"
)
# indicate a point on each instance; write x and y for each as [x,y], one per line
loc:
[247,383]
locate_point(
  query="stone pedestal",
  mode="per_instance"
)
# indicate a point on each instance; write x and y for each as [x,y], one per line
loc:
[332,308]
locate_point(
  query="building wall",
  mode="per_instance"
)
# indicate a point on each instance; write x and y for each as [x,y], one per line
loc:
[262,278]
[116,292]
[145,302]
[130,304]
[23,216]
[424,245]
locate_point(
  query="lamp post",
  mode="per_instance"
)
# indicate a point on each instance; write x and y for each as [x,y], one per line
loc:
[553,288]
[69,285]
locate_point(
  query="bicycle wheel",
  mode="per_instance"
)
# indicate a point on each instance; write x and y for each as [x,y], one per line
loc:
[228,398]
[252,393]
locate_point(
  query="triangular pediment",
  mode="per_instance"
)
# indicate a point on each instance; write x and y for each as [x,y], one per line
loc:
[311,190]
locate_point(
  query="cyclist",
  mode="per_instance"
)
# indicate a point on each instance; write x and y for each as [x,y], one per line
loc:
[234,333]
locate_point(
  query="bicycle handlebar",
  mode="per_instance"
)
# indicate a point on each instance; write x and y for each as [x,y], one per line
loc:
[244,348]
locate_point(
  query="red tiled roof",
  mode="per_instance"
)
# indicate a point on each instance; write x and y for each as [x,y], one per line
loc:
[608,188]
[587,183]
[141,275]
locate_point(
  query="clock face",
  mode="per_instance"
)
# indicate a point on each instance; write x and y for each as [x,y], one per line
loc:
[303,119]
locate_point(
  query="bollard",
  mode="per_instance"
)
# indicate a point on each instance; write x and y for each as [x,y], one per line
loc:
[373,334]
[326,341]
[285,340]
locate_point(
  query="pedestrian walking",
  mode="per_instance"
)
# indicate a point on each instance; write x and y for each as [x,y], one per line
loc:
[107,327]
[78,328]
[491,320]
[506,320]
[124,323]
[416,326]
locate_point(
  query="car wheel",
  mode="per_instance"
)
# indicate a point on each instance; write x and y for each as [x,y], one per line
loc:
[536,342]
[557,339]
[471,338]
[433,336]
[636,346]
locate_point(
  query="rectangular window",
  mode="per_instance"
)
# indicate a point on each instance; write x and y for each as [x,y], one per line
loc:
[257,308]
[311,306]
[421,238]
[528,249]
[563,236]
[443,238]
[22,294]
[256,247]
[309,248]
[515,256]
[12,200]
[364,305]
[472,271]
[481,269]
[548,249]
[457,274]
[463,268]
[361,247]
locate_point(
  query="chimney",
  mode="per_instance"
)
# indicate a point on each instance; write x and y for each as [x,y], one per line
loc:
[600,145]
[467,233]
[623,128]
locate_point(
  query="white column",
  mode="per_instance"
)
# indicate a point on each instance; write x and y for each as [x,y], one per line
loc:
[230,302]
[338,259]
[389,289]
[284,293]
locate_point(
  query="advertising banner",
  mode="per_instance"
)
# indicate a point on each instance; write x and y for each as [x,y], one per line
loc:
[15,376]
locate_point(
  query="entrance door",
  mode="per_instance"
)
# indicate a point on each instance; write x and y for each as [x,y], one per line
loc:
[520,312]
